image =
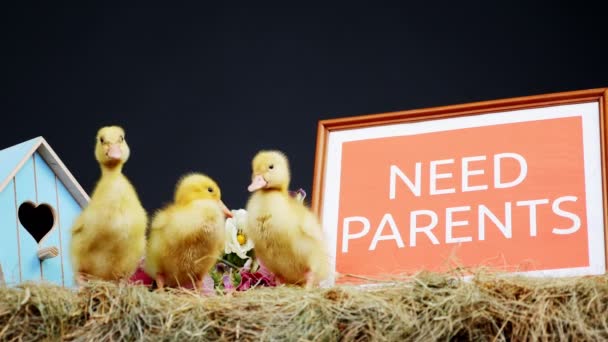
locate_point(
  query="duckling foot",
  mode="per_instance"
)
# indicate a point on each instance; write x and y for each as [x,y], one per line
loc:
[81,279]
[278,280]
[199,284]
[310,280]
[160,282]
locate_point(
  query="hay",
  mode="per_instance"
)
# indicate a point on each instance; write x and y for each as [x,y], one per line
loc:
[424,307]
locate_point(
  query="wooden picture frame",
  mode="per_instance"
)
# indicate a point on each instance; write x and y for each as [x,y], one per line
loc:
[332,134]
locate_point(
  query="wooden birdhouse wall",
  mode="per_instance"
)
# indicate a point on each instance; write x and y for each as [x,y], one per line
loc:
[37,183]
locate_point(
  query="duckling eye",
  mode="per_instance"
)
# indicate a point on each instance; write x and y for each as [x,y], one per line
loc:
[271,166]
[210,189]
[101,140]
[121,139]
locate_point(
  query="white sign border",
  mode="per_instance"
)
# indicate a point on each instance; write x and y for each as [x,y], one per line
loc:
[590,113]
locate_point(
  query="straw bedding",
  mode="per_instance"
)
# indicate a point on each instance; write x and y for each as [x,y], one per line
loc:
[423,307]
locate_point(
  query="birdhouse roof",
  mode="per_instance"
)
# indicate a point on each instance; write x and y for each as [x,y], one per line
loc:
[14,157]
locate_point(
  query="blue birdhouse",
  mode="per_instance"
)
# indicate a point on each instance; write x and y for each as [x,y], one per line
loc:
[39,201]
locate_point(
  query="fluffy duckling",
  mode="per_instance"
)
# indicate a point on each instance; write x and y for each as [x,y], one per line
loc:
[187,237]
[108,238]
[287,236]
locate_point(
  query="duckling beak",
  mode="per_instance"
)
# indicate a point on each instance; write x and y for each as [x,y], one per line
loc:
[257,183]
[114,152]
[225,209]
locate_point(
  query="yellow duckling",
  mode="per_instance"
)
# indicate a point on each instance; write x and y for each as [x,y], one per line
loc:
[187,237]
[108,238]
[287,236]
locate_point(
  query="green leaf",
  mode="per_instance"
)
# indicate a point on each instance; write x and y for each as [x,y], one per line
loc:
[234,260]
[236,279]
[217,278]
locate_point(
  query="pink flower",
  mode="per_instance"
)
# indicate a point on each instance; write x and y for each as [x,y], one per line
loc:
[226,279]
[262,277]
[208,285]
[299,194]
[140,277]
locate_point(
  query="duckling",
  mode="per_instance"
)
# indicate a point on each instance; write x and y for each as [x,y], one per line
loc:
[287,236]
[108,237]
[187,236]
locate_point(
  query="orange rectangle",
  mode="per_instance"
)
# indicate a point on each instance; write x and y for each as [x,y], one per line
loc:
[508,195]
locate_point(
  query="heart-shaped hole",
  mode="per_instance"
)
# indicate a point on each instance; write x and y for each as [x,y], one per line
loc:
[38,220]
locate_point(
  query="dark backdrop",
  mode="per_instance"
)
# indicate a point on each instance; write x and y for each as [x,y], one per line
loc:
[203,88]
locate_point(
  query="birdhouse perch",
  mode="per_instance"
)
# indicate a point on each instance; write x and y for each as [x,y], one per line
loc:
[47,253]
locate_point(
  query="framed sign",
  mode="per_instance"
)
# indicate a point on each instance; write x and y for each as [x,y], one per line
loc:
[517,185]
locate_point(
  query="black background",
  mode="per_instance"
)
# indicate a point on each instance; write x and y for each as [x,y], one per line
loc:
[202,88]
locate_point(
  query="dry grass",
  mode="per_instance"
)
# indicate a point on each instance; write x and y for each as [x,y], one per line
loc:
[424,307]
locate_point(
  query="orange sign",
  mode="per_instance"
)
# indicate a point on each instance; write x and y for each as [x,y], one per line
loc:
[515,195]
[414,202]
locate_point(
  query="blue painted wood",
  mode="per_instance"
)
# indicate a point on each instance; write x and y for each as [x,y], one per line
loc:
[69,209]
[45,183]
[10,157]
[26,191]
[9,251]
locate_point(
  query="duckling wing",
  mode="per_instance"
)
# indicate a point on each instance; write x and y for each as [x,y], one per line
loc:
[77,226]
[309,226]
